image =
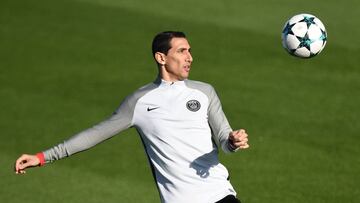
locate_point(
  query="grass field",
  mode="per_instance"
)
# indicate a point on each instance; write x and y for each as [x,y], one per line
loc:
[66,65]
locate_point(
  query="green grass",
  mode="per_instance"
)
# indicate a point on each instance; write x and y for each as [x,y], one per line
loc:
[66,65]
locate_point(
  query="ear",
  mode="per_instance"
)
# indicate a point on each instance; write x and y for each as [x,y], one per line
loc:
[160,58]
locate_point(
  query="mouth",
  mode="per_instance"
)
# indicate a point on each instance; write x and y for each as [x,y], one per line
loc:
[187,68]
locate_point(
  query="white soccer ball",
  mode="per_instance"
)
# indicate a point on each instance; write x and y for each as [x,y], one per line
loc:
[304,36]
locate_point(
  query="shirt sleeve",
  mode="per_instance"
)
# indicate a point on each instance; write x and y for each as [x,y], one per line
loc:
[120,120]
[218,122]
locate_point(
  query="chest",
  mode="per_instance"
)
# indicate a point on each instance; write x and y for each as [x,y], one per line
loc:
[172,106]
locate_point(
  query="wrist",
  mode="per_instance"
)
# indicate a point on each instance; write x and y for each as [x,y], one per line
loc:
[41,158]
[232,147]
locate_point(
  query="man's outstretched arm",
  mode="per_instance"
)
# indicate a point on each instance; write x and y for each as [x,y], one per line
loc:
[119,121]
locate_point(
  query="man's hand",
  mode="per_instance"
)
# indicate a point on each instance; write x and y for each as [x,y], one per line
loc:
[238,139]
[26,161]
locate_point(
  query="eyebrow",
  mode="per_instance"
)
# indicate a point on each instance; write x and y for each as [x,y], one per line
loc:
[182,49]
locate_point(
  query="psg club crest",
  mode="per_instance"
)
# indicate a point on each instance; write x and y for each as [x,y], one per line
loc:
[193,105]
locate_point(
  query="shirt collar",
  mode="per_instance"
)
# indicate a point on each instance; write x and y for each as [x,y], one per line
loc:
[165,83]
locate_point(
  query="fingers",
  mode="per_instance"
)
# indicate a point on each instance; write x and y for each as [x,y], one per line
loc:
[239,139]
[238,136]
[18,163]
[25,161]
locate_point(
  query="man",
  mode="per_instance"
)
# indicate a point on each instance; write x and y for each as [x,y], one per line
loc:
[181,124]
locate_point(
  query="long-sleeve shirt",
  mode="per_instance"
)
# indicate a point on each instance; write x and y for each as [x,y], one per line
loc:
[181,125]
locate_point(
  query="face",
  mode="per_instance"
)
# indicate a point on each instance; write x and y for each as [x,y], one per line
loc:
[176,64]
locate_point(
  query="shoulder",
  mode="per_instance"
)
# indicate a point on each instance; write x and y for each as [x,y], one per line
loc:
[198,85]
[131,100]
[128,104]
[136,95]
[206,88]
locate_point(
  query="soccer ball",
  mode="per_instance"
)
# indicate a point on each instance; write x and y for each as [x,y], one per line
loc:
[304,36]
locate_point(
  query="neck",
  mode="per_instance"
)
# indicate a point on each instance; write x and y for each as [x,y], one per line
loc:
[167,76]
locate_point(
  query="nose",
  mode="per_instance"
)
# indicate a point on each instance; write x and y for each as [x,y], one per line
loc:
[189,57]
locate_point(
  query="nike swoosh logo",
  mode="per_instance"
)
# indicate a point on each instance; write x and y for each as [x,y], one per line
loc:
[150,109]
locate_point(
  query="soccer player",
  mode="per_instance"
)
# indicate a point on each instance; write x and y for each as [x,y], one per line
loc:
[181,124]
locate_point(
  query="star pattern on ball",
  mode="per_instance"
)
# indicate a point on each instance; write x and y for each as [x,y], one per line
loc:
[323,36]
[304,42]
[309,20]
[287,29]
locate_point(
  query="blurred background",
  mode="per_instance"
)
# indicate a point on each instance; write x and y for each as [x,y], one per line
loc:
[66,65]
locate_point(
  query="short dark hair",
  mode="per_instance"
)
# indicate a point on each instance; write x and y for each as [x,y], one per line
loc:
[161,42]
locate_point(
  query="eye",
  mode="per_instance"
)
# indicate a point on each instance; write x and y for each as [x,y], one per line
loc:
[181,50]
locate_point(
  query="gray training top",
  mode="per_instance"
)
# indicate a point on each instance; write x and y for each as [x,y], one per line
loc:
[180,124]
